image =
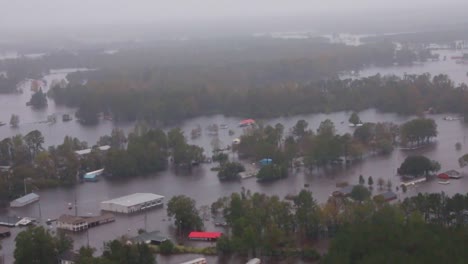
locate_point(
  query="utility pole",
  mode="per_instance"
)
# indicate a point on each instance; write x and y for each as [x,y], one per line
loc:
[40,212]
[146,221]
[76,206]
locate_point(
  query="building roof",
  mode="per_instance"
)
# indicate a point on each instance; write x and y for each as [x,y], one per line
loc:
[247,122]
[205,235]
[71,219]
[155,236]
[134,199]
[87,151]
[93,174]
[27,198]
[452,173]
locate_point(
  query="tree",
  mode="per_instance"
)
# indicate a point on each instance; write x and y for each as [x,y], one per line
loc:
[463,161]
[184,211]
[299,130]
[370,182]
[307,214]
[354,119]
[272,172]
[361,180]
[230,171]
[418,166]
[380,183]
[38,99]
[166,247]
[360,193]
[14,120]
[85,256]
[35,245]
[389,185]
[418,131]
[34,141]
[326,128]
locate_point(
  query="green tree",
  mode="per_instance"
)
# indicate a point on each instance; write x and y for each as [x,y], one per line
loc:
[354,119]
[299,130]
[14,120]
[418,166]
[307,214]
[380,183]
[185,213]
[38,99]
[35,245]
[360,193]
[361,180]
[85,256]
[370,182]
[166,247]
[34,141]
[272,172]
[230,171]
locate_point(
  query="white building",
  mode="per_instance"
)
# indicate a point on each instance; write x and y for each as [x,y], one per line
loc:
[25,200]
[84,152]
[72,223]
[132,203]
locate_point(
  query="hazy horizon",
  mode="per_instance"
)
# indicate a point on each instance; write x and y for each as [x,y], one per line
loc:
[60,14]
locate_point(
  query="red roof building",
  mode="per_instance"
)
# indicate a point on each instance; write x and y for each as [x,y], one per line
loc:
[205,235]
[247,122]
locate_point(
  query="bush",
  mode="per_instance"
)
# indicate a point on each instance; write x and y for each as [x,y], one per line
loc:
[166,247]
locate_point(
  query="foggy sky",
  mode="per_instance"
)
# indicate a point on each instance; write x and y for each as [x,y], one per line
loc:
[62,13]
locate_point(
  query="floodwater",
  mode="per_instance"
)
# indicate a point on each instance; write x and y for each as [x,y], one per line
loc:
[456,71]
[202,184]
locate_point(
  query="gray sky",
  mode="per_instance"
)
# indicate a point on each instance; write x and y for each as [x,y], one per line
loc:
[63,13]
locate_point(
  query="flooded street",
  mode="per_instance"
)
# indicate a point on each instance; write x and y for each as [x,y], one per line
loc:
[202,184]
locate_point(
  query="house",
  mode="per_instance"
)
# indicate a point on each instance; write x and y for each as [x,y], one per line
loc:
[72,223]
[452,174]
[25,200]
[68,257]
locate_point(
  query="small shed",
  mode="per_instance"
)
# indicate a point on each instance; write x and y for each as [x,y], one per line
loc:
[25,200]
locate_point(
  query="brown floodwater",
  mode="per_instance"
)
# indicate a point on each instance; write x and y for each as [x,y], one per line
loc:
[202,184]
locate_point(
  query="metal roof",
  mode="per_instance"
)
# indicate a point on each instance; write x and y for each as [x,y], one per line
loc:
[134,199]
[155,236]
[87,151]
[26,198]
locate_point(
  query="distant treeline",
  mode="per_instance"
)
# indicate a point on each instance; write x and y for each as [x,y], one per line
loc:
[233,62]
[132,99]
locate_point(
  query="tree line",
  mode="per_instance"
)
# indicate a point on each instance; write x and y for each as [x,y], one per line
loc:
[135,99]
